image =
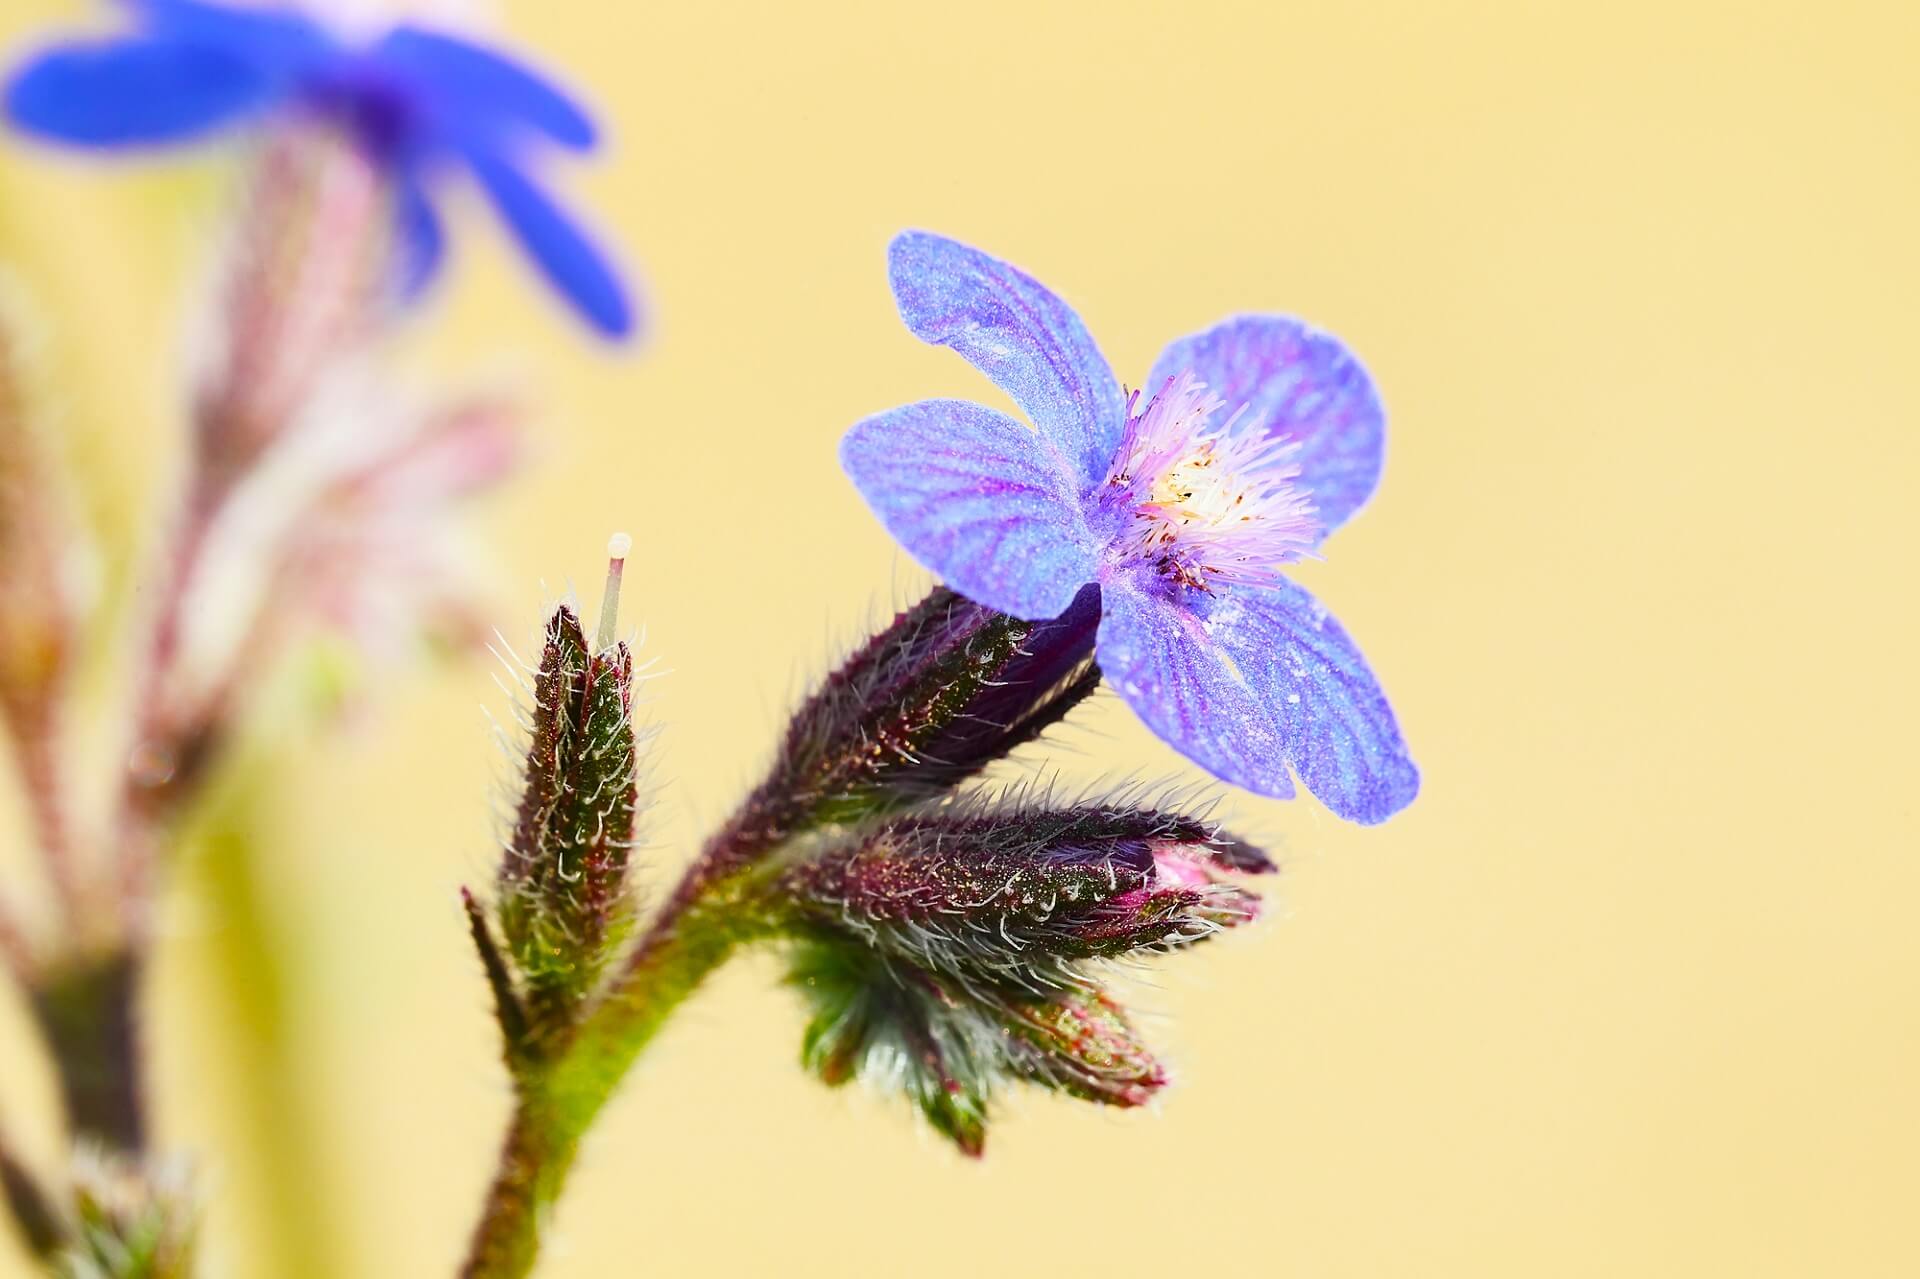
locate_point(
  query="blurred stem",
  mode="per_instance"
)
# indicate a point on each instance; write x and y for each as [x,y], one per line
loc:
[16,952]
[557,1101]
[272,1135]
[166,762]
[44,783]
[86,1007]
[32,1211]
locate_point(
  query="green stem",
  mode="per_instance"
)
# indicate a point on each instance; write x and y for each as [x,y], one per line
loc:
[557,1101]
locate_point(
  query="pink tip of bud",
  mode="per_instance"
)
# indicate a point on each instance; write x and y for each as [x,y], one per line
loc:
[1177,869]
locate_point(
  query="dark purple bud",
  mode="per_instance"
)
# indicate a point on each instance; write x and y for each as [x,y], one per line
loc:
[1020,896]
[564,903]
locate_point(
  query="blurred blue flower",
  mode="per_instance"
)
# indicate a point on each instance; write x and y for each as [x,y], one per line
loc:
[1260,438]
[416,102]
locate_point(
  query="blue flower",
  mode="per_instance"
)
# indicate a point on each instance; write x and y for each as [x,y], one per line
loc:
[1261,436]
[416,101]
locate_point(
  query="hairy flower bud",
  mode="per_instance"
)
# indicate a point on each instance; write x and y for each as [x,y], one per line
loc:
[564,902]
[1019,896]
[946,689]
[946,952]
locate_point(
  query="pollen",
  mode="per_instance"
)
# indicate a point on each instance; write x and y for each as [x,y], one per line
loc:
[1207,499]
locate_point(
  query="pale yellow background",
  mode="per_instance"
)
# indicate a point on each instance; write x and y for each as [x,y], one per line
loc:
[1633,988]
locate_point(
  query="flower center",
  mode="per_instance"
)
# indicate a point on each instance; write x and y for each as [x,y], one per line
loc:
[1206,503]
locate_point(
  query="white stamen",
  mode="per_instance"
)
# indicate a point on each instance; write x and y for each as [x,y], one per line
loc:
[617,547]
[1212,501]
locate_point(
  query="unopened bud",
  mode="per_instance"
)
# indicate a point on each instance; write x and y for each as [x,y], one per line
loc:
[564,899]
[1019,896]
[1080,1042]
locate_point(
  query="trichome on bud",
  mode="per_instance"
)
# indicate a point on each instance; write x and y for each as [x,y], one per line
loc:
[564,903]
[946,953]
[946,689]
[1021,896]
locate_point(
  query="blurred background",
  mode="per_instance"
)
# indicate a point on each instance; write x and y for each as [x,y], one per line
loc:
[1634,987]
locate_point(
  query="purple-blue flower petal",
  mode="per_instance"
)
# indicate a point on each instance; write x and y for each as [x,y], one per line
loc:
[1013,329]
[1297,382]
[1165,663]
[129,93]
[562,251]
[1340,733]
[482,85]
[273,41]
[1251,681]
[978,500]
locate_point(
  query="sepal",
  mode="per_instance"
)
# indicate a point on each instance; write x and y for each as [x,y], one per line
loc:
[946,689]
[508,1009]
[950,1048]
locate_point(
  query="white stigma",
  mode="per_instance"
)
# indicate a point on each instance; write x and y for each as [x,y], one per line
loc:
[1210,503]
[617,547]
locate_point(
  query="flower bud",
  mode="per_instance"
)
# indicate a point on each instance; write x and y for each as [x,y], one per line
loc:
[1080,1042]
[564,903]
[1019,896]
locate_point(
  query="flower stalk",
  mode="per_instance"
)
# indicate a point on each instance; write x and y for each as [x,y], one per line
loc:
[556,1100]
[39,618]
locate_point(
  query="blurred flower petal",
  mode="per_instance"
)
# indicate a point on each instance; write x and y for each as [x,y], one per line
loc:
[134,92]
[564,254]
[479,81]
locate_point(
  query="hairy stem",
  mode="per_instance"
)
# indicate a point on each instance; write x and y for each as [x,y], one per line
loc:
[558,1100]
